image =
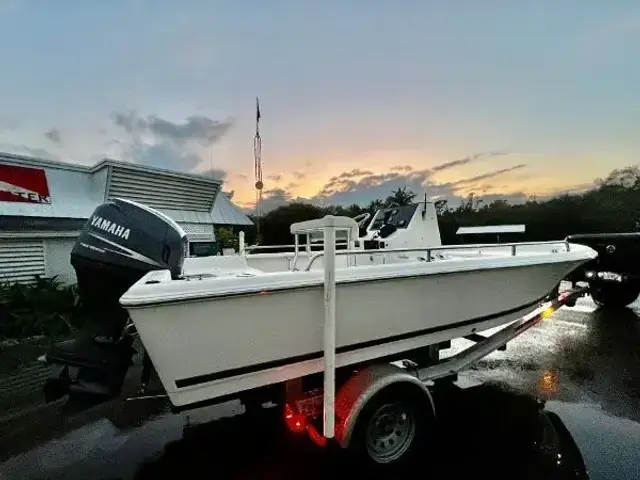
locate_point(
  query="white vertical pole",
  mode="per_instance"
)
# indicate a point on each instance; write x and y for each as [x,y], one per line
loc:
[296,245]
[329,331]
[241,243]
[351,246]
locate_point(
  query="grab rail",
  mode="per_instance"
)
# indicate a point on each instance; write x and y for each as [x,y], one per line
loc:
[429,250]
[251,248]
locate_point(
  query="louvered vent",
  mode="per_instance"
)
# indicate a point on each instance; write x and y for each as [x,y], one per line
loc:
[21,261]
[162,191]
[199,231]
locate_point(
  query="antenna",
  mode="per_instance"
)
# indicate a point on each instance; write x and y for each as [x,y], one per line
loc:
[424,207]
[257,160]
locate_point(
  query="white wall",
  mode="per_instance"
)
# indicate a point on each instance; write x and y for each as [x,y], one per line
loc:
[70,188]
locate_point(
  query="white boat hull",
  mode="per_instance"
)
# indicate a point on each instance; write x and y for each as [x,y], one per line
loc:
[205,347]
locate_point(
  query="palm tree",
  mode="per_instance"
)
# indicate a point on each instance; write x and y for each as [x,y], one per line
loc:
[399,197]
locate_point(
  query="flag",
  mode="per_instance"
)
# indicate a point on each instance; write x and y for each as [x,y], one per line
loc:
[257,110]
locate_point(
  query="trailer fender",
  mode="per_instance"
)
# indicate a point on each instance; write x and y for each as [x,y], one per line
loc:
[362,386]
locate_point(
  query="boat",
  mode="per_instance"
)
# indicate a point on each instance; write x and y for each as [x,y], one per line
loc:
[213,327]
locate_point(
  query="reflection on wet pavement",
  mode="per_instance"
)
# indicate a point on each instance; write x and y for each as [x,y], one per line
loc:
[497,432]
[570,385]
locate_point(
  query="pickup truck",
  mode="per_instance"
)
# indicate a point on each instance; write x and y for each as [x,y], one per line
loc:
[614,275]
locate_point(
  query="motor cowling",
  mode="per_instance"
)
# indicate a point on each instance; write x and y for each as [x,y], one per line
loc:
[119,244]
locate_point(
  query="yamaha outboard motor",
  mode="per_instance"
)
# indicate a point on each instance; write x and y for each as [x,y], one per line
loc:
[120,243]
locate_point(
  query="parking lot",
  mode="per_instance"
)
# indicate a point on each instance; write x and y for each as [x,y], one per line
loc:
[583,365]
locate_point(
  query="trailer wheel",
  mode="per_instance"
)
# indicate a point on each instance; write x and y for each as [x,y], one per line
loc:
[392,428]
[612,295]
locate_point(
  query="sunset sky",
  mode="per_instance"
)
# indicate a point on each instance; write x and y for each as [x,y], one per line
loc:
[499,98]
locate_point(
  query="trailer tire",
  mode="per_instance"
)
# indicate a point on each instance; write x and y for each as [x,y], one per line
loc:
[612,295]
[393,428]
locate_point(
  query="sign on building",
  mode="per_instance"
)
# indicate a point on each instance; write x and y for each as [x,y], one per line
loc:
[23,184]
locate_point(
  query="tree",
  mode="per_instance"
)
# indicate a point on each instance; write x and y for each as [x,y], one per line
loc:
[374,206]
[627,177]
[400,197]
[226,238]
[441,206]
[466,205]
[275,225]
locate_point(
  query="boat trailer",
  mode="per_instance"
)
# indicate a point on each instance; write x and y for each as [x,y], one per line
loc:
[381,412]
[326,418]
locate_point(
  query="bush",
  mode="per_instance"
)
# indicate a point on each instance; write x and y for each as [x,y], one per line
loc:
[44,307]
[226,238]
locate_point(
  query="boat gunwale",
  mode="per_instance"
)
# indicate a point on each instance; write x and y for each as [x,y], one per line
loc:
[132,299]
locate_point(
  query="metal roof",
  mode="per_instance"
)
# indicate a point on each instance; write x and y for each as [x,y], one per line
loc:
[226,213]
[491,229]
[75,190]
[106,162]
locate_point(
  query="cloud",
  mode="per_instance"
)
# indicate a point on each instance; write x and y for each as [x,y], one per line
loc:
[465,160]
[349,186]
[344,181]
[402,168]
[54,135]
[363,186]
[28,151]
[162,155]
[299,175]
[274,198]
[196,128]
[485,176]
[158,142]
[216,173]
[363,192]
[275,178]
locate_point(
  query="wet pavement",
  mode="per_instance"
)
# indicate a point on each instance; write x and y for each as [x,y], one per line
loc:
[562,400]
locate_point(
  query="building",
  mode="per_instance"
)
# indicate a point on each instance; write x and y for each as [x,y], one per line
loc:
[44,205]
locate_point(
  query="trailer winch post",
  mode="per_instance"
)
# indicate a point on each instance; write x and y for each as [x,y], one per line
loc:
[329,331]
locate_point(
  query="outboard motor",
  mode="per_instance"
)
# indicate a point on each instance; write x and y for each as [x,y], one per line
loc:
[119,244]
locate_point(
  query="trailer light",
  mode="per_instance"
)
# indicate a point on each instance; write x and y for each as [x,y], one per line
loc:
[548,382]
[316,437]
[295,421]
[547,312]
